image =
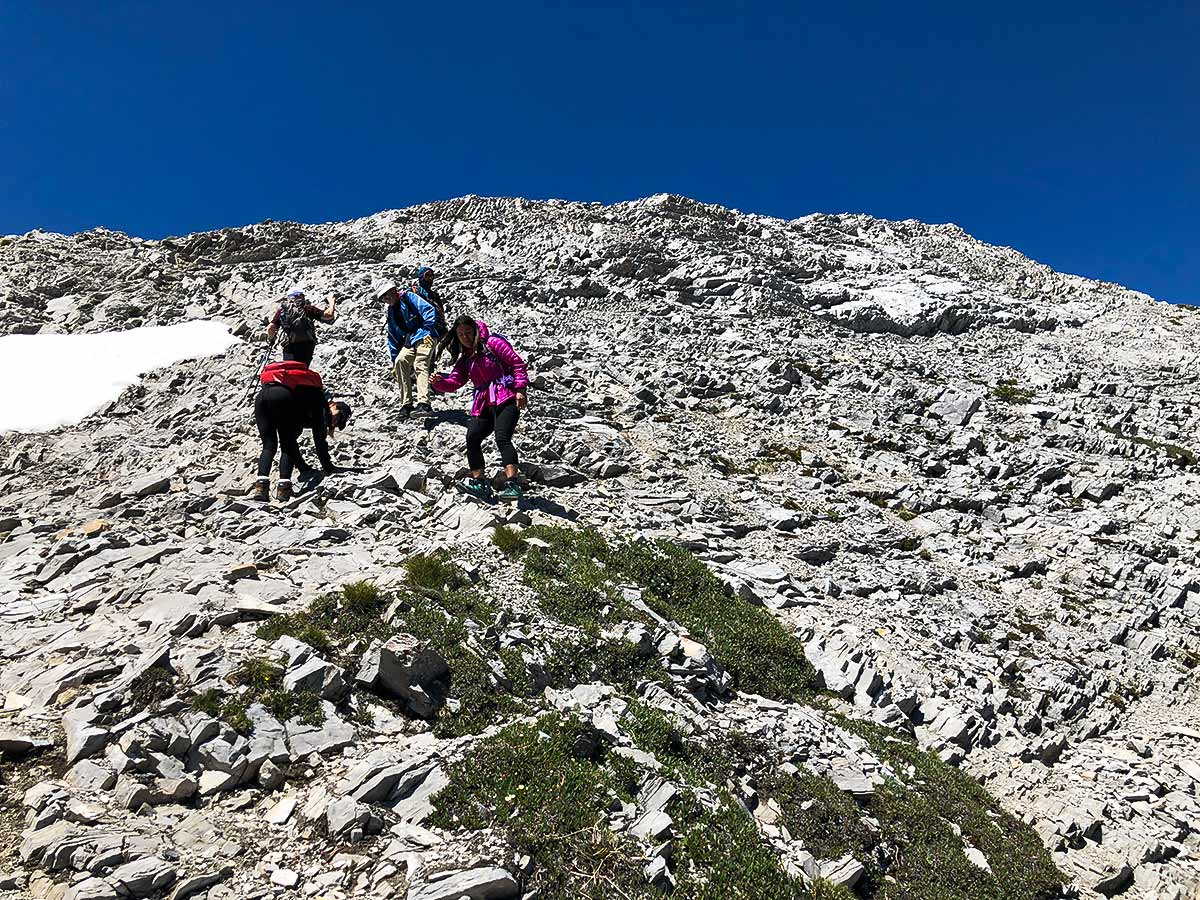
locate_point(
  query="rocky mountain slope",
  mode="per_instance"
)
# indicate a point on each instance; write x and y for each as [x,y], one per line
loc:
[860,559]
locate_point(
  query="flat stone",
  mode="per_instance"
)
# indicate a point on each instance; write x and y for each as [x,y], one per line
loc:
[15,743]
[156,483]
[281,811]
[285,878]
[331,735]
[143,877]
[198,883]
[91,889]
[487,883]
[845,871]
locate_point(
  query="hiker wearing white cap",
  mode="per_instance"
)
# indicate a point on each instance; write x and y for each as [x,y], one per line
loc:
[411,330]
[296,323]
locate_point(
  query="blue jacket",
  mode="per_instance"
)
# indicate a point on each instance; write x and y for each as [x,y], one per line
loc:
[410,320]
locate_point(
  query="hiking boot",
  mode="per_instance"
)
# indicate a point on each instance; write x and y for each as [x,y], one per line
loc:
[512,491]
[477,488]
[261,492]
[283,491]
[423,409]
[405,412]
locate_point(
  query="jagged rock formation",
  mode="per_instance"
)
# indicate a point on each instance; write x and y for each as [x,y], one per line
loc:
[962,483]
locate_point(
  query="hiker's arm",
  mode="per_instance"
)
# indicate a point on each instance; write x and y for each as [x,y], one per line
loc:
[273,328]
[445,384]
[390,330]
[317,414]
[330,312]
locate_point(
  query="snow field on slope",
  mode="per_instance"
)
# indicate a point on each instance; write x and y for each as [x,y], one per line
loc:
[58,379]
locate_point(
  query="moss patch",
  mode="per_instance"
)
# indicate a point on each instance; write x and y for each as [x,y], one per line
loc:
[150,689]
[1008,392]
[920,849]
[261,681]
[509,541]
[576,578]
[435,605]
[548,786]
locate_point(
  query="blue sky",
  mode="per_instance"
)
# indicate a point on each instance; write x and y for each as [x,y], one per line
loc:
[1066,130]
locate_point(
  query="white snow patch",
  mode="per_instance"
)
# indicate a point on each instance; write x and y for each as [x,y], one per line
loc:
[58,379]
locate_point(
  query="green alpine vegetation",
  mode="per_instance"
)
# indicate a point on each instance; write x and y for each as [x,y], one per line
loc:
[577,578]
[548,786]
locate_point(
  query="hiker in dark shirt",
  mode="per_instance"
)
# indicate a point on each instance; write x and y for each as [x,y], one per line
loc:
[423,287]
[291,399]
[295,322]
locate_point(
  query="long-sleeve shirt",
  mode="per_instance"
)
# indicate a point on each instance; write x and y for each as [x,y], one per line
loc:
[410,320]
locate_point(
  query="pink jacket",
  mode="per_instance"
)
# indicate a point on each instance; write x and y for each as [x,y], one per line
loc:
[497,373]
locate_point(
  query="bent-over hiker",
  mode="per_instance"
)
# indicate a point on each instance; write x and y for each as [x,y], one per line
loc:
[291,399]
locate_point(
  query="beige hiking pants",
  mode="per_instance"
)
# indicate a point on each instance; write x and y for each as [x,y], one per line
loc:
[416,360]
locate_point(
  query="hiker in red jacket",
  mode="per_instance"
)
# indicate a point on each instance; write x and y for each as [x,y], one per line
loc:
[291,399]
[500,377]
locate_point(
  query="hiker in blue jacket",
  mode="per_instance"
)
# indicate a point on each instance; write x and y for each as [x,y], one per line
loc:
[412,332]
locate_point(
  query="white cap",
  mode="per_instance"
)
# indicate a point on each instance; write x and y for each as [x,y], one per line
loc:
[379,288]
[295,292]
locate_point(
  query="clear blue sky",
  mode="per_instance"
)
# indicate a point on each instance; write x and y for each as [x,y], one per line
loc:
[1067,130]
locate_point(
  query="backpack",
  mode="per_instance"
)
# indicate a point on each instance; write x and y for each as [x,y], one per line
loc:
[508,379]
[434,299]
[295,322]
[439,314]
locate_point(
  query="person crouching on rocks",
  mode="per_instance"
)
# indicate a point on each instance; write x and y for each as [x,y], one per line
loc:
[501,380]
[291,399]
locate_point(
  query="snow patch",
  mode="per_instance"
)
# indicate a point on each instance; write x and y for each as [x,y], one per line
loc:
[58,379]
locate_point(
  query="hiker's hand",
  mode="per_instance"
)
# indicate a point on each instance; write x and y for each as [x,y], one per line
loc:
[435,380]
[522,400]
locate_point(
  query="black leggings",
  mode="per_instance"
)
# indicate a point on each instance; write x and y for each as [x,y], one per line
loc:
[274,405]
[500,419]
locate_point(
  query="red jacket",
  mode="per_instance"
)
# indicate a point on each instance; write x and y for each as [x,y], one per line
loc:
[291,374]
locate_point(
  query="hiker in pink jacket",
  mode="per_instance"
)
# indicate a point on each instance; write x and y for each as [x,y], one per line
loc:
[490,363]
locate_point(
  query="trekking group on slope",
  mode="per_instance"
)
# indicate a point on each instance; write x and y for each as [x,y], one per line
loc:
[292,396]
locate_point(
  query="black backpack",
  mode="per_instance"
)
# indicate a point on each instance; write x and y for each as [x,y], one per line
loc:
[439,315]
[434,299]
[295,323]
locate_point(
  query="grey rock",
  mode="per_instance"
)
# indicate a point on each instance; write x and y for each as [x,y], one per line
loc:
[155,483]
[14,743]
[331,735]
[143,877]
[318,676]
[197,883]
[406,668]
[485,883]
[91,889]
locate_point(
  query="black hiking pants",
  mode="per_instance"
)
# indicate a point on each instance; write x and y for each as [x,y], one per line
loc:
[499,419]
[280,419]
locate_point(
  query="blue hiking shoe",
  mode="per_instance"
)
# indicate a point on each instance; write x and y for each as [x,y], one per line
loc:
[512,491]
[477,488]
